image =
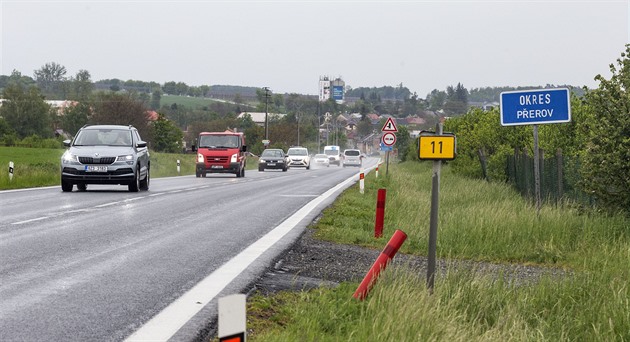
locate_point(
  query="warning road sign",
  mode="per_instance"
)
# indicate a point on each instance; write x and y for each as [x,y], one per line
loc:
[389,126]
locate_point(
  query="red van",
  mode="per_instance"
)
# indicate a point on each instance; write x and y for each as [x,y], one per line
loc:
[221,152]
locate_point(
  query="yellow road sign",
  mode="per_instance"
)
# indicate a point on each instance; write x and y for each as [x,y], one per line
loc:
[437,147]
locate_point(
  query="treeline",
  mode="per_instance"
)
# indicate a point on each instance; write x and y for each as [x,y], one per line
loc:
[597,137]
[26,114]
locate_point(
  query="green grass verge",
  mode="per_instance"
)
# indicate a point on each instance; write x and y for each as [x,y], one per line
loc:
[477,221]
[37,167]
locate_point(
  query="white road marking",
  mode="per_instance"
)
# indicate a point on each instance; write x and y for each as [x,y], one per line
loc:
[32,220]
[166,323]
[305,195]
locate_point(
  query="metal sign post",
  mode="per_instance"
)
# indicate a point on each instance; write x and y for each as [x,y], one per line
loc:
[436,146]
[433,221]
[534,107]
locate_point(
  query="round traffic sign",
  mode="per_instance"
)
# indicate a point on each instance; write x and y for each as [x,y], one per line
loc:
[389,139]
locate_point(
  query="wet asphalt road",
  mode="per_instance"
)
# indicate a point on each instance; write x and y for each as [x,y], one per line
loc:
[97,265]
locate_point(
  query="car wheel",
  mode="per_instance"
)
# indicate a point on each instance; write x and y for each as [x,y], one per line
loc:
[135,184]
[82,186]
[261,169]
[66,186]
[144,184]
[308,167]
[243,172]
[285,169]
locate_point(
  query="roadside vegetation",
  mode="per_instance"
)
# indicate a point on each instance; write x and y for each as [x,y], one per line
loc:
[478,221]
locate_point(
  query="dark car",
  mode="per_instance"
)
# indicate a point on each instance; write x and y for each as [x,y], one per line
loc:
[106,154]
[273,158]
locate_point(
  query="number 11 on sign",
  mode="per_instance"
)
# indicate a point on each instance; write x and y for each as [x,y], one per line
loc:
[437,147]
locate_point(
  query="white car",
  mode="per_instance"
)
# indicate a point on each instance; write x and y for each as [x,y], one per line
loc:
[321,160]
[298,157]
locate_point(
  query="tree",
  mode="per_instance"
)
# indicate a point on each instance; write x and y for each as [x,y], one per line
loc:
[364,127]
[120,109]
[170,88]
[26,111]
[75,117]
[156,97]
[167,137]
[50,79]
[606,163]
[436,99]
[16,77]
[81,86]
[403,140]
[456,100]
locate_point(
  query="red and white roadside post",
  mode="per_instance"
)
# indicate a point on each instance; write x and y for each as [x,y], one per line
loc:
[381,262]
[362,182]
[377,164]
[380,213]
[232,318]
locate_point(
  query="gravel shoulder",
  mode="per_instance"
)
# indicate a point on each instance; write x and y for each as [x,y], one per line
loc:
[311,262]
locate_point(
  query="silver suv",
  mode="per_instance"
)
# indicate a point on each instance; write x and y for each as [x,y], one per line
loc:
[106,154]
[298,156]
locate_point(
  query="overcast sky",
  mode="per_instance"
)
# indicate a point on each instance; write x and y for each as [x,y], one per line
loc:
[288,45]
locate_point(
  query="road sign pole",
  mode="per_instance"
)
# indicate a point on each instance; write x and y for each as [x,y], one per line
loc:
[537,171]
[433,224]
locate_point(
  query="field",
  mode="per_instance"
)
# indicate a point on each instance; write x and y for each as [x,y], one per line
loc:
[189,102]
[478,221]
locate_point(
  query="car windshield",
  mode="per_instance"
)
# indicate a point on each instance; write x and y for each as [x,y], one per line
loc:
[106,137]
[352,153]
[297,152]
[218,141]
[271,153]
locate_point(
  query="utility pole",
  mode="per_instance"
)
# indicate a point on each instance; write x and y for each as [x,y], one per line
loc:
[266,112]
[319,125]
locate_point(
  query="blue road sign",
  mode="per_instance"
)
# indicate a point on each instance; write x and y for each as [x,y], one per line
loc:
[532,107]
[385,148]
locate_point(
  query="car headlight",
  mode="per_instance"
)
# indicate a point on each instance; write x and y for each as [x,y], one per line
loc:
[200,158]
[69,158]
[260,161]
[128,158]
[234,158]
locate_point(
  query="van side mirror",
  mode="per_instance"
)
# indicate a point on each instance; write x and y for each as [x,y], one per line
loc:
[244,148]
[193,147]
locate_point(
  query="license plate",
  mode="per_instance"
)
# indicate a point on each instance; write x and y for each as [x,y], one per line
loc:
[271,164]
[217,166]
[96,168]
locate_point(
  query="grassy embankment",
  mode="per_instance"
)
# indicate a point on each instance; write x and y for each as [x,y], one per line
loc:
[477,221]
[36,167]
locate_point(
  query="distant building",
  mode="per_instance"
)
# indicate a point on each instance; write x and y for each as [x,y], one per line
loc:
[335,89]
[259,117]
